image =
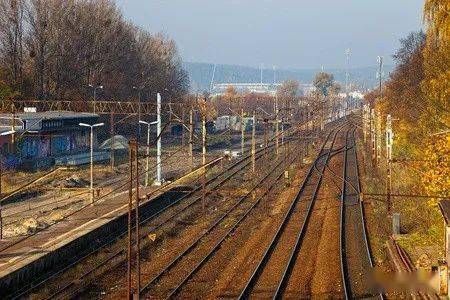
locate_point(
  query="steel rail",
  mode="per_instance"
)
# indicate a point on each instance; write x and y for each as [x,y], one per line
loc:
[363,217]
[232,229]
[300,235]
[263,262]
[342,243]
[194,201]
[344,270]
[115,237]
[117,254]
[144,235]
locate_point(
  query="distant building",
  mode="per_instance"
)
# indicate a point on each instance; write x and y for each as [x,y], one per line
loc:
[233,122]
[41,137]
[243,88]
[305,89]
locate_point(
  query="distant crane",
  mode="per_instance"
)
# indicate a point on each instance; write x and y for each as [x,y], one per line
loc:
[347,74]
[212,78]
[262,65]
[380,72]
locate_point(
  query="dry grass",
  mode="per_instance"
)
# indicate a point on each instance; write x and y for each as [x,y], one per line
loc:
[422,230]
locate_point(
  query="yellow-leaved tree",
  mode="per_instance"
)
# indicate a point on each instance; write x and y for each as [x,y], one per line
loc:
[436,88]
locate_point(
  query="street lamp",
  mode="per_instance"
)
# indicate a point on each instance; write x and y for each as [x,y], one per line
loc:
[147,168]
[92,154]
[100,87]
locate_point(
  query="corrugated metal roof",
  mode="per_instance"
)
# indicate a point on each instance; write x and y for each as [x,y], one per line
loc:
[55,114]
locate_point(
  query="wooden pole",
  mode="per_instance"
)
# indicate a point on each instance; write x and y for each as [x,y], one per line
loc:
[276,124]
[13,137]
[130,208]
[203,160]
[372,135]
[138,260]
[203,140]
[242,132]
[266,123]
[182,126]
[389,142]
[112,141]
[191,138]
[253,142]
[1,198]
[378,138]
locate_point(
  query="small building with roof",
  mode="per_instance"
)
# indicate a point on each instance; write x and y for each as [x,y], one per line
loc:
[40,137]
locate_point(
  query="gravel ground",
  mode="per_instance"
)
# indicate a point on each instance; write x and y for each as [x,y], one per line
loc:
[316,273]
[185,227]
[55,202]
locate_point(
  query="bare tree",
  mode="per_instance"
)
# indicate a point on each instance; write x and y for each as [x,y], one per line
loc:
[11,38]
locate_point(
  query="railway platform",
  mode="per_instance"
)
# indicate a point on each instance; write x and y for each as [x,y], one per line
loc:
[24,259]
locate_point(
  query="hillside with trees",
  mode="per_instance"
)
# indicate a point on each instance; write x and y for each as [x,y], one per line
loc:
[200,75]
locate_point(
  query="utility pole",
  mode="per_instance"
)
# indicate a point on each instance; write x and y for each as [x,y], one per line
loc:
[112,141]
[139,115]
[158,143]
[92,155]
[203,160]
[1,198]
[253,142]
[182,127]
[389,143]
[13,137]
[372,135]
[266,122]
[378,138]
[191,137]
[322,115]
[365,121]
[262,65]
[204,139]
[138,260]
[347,80]
[242,132]
[132,146]
[147,159]
[276,123]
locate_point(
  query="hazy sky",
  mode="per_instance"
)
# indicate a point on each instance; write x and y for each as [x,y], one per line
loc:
[286,33]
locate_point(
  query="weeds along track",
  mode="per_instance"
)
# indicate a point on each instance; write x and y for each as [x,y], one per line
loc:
[274,267]
[356,261]
[59,284]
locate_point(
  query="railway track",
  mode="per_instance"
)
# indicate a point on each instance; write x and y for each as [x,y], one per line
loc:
[168,283]
[355,255]
[188,201]
[273,270]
